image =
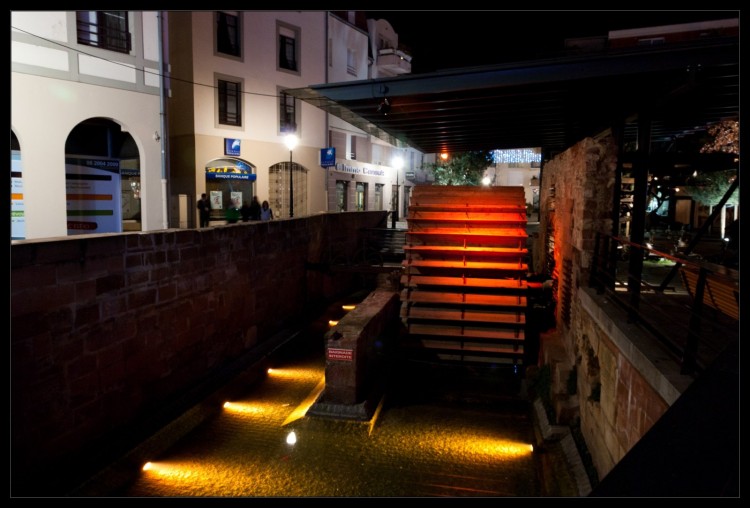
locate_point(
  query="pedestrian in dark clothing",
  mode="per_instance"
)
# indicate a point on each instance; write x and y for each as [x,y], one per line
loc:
[245,211]
[204,210]
[255,209]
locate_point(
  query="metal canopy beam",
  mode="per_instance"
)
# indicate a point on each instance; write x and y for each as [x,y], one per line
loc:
[550,104]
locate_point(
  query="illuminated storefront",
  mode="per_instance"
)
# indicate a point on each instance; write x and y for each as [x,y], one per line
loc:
[229,182]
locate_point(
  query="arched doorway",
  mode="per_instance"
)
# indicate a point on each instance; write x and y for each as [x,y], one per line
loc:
[102,179]
[279,187]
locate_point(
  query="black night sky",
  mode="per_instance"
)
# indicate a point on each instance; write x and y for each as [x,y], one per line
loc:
[464,38]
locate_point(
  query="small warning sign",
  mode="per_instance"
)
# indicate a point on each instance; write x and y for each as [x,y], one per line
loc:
[344,355]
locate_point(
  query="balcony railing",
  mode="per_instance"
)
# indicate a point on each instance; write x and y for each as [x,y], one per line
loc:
[396,61]
[105,37]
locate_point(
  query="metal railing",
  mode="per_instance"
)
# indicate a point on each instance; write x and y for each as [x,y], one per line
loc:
[103,36]
[645,283]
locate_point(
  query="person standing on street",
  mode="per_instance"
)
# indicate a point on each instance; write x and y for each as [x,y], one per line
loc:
[204,210]
[255,209]
[266,213]
[245,211]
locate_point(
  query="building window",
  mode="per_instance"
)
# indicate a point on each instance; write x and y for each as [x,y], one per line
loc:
[351,62]
[342,188]
[288,48]
[279,189]
[287,113]
[353,144]
[361,196]
[104,29]
[379,196]
[230,102]
[228,34]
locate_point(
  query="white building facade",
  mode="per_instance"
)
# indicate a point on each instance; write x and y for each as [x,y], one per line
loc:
[120,120]
[391,59]
[365,175]
[229,115]
[86,130]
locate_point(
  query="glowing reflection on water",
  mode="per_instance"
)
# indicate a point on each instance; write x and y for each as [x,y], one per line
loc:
[415,448]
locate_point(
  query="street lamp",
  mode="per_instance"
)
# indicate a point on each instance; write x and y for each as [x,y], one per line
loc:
[397,163]
[291,141]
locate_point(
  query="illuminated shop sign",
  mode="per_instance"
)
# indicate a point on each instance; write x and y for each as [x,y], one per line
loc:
[328,157]
[354,170]
[231,146]
[230,169]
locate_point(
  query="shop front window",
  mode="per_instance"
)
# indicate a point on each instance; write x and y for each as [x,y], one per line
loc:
[229,182]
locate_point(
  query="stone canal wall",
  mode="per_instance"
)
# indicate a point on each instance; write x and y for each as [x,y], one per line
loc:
[108,330]
[605,374]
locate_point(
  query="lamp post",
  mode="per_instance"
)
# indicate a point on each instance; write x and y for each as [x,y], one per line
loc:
[398,163]
[291,141]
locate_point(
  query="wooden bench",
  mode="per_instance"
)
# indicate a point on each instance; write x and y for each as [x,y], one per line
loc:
[720,288]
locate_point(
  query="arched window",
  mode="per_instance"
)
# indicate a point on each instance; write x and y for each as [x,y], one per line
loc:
[102,179]
[280,189]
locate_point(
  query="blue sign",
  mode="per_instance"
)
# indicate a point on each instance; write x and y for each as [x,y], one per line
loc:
[231,146]
[229,169]
[328,157]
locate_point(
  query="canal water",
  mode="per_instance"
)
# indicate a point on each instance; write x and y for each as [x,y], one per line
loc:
[440,431]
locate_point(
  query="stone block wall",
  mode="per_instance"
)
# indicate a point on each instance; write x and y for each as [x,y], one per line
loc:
[107,329]
[619,392]
[625,381]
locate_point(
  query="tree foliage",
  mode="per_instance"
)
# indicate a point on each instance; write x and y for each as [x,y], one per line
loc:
[464,168]
[709,188]
[725,137]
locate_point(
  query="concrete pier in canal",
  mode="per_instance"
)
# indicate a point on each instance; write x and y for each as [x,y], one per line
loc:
[356,348]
